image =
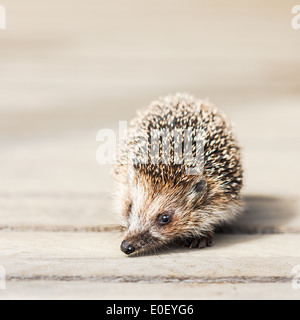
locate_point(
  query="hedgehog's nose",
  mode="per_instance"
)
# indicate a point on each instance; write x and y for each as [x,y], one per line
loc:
[127,247]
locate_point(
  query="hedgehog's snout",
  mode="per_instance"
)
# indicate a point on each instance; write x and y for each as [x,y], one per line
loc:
[127,247]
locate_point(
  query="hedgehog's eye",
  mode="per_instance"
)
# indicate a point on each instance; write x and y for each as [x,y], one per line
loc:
[165,218]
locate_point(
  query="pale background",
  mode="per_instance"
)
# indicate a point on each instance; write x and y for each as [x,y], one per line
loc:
[70,69]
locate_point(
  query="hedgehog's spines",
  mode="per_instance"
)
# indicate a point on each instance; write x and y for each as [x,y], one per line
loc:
[182,112]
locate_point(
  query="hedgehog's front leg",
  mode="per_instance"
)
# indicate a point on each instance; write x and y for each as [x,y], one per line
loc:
[200,242]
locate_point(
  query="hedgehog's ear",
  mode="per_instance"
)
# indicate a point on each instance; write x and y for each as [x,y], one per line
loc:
[198,192]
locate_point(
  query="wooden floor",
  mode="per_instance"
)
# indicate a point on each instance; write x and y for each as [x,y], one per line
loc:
[68,71]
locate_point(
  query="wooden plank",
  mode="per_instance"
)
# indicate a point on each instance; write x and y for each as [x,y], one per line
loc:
[126,291]
[56,212]
[93,212]
[90,266]
[28,255]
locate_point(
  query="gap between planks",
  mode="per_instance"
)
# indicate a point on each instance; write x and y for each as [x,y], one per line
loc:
[153,280]
[236,230]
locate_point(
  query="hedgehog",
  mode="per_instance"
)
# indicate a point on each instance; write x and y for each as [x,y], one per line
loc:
[179,175]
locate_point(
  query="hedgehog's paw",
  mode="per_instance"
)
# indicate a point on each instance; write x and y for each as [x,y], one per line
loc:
[200,242]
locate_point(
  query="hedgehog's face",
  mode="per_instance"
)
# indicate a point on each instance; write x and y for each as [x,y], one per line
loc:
[157,217]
